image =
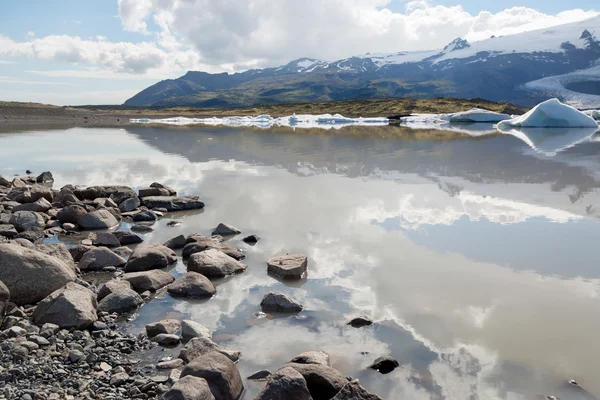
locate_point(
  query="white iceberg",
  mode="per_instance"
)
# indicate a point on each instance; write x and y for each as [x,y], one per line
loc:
[593,113]
[551,114]
[476,115]
[326,121]
[551,141]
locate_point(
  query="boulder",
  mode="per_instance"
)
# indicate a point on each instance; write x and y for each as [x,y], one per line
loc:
[78,251]
[45,177]
[189,388]
[287,383]
[173,203]
[57,250]
[120,301]
[112,286]
[175,243]
[214,263]
[166,339]
[130,204]
[72,306]
[313,357]
[8,230]
[280,303]
[127,238]
[384,365]
[30,194]
[354,391]
[71,214]
[150,256]
[27,221]
[166,326]
[221,374]
[40,205]
[4,182]
[288,266]
[198,243]
[106,239]
[200,346]
[145,216]
[100,219]
[99,258]
[30,275]
[148,280]
[193,285]
[359,322]
[4,299]
[153,191]
[191,330]
[117,193]
[323,382]
[226,230]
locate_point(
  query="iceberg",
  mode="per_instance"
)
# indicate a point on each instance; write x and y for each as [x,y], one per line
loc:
[551,141]
[477,115]
[593,113]
[441,122]
[551,114]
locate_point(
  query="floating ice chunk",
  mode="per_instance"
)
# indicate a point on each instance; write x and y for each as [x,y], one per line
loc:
[550,141]
[551,114]
[477,115]
[440,122]
[593,113]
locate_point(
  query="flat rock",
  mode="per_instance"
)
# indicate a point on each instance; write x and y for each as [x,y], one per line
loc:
[189,388]
[226,230]
[279,303]
[287,383]
[120,301]
[30,275]
[313,357]
[192,329]
[178,242]
[214,264]
[148,257]
[198,243]
[221,374]
[100,219]
[27,221]
[40,205]
[142,228]
[127,238]
[354,391]
[153,191]
[166,326]
[148,280]
[288,266]
[166,339]
[173,203]
[192,285]
[71,214]
[99,258]
[116,193]
[107,239]
[72,306]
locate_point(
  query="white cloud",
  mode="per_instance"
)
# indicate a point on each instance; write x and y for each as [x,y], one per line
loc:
[30,34]
[9,79]
[69,97]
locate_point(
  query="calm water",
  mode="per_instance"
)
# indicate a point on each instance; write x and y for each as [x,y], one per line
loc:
[478,258]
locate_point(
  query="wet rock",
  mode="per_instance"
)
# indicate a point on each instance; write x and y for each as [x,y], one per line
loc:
[226,230]
[191,329]
[148,280]
[221,374]
[175,243]
[214,264]
[359,322]
[172,364]
[99,258]
[280,303]
[40,205]
[45,177]
[173,203]
[126,238]
[313,357]
[148,257]
[106,239]
[71,214]
[198,243]
[166,339]
[190,388]
[288,266]
[384,365]
[120,301]
[251,240]
[9,231]
[27,221]
[354,391]
[30,275]
[260,375]
[111,287]
[4,299]
[323,382]
[130,204]
[72,306]
[172,224]
[117,193]
[101,219]
[200,346]
[166,326]
[145,216]
[192,285]
[287,383]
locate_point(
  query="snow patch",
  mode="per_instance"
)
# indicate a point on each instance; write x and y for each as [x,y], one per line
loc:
[551,114]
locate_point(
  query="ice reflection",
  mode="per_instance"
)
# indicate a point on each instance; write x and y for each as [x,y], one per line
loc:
[550,141]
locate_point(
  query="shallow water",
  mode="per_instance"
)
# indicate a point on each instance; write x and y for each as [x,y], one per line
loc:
[478,258]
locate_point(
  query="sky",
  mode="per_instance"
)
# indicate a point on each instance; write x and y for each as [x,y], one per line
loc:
[104,51]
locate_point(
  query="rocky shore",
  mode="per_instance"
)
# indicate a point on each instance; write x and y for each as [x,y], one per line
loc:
[60,335]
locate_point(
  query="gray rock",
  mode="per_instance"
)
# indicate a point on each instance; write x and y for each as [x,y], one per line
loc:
[214,263]
[153,191]
[101,219]
[30,194]
[130,204]
[226,230]
[175,243]
[384,365]
[148,280]
[114,192]
[106,239]
[261,375]
[32,236]
[27,221]
[221,374]
[71,214]
[145,216]
[123,251]
[190,388]
[120,301]
[4,181]
[171,364]
[112,286]
[119,379]
[30,275]
[40,205]
[72,306]
[57,250]
[323,382]
[198,243]
[313,357]
[354,391]
[4,299]
[251,240]
[8,231]
[166,326]
[193,285]
[99,258]
[142,228]
[45,177]
[287,383]
[78,251]
[105,202]
[173,203]
[288,266]
[280,303]
[191,329]
[126,238]
[148,257]
[166,339]
[199,346]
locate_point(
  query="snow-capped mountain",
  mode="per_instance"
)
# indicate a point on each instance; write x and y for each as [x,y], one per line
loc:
[561,61]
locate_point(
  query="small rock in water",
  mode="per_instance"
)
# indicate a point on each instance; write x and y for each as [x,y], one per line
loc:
[384,365]
[359,322]
[226,230]
[288,266]
[173,223]
[260,375]
[251,240]
[277,302]
[142,228]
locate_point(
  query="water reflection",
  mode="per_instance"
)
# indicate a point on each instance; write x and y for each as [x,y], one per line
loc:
[550,141]
[476,260]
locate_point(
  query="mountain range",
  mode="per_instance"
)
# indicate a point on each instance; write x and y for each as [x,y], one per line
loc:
[562,61]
